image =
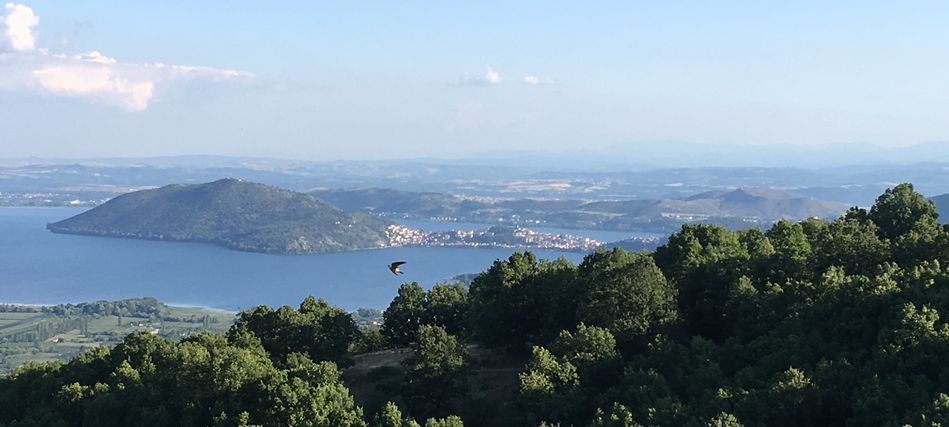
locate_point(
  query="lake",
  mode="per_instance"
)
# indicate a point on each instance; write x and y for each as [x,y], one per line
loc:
[39,267]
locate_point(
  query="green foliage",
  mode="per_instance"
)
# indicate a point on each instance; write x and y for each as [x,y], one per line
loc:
[404,315]
[322,331]
[520,301]
[548,387]
[626,293]
[446,305]
[704,262]
[370,340]
[593,351]
[450,421]
[391,416]
[618,416]
[134,307]
[851,244]
[792,250]
[203,380]
[724,419]
[900,210]
[437,372]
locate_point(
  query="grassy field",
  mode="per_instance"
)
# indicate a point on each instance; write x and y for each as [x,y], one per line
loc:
[41,336]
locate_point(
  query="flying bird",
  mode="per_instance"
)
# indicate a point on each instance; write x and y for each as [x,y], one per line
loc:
[394,267]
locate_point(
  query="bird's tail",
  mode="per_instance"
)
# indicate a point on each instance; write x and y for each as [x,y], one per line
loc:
[401,272]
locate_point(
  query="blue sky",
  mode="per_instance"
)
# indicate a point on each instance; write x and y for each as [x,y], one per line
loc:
[320,80]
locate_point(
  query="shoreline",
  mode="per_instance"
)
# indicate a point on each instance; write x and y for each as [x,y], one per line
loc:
[172,305]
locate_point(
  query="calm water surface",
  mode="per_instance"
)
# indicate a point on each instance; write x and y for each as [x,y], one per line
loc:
[39,267]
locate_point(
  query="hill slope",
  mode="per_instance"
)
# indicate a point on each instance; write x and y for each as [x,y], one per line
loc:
[942,206]
[763,204]
[231,213]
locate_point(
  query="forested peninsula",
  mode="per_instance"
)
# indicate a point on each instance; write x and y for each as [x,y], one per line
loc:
[232,213]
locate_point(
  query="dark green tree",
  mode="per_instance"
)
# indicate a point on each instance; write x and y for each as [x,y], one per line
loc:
[404,315]
[792,251]
[391,416]
[548,389]
[704,263]
[322,331]
[901,209]
[521,301]
[447,305]
[626,293]
[436,373]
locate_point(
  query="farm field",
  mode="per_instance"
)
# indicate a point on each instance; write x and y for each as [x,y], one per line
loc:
[44,333]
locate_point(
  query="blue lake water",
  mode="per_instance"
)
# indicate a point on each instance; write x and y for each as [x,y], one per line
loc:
[39,267]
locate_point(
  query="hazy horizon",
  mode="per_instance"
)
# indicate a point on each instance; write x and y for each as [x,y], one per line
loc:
[451,80]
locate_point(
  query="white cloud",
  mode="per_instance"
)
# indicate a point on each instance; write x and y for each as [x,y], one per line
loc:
[18,22]
[536,81]
[94,56]
[97,83]
[90,76]
[490,78]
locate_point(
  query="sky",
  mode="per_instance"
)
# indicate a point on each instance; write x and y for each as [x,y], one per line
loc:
[375,80]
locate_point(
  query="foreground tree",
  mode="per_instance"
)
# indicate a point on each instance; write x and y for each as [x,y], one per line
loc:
[446,305]
[318,329]
[522,301]
[900,209]
[404,315]
[626,293]
[436,373]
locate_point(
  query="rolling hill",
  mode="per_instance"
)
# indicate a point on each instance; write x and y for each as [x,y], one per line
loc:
[232,213]
[751,204]
[942,206]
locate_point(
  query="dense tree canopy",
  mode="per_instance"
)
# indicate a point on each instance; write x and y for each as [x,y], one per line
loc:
[404,315]
[626,293]
[200,381]
[445,305]
[436,371]
[322,331]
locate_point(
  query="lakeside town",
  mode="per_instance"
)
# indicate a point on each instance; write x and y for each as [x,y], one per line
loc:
[494,237]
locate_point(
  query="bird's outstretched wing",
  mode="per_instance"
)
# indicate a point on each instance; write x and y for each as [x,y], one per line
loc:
[394,267]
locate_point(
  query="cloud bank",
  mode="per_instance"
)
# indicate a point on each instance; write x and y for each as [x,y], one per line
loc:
[90,76]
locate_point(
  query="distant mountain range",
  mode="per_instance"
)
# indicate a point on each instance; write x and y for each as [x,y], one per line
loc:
[232,213]
[744,206]
[88,182]
[682,154]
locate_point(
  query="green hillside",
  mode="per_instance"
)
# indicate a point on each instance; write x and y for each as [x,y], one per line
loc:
[232,213]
